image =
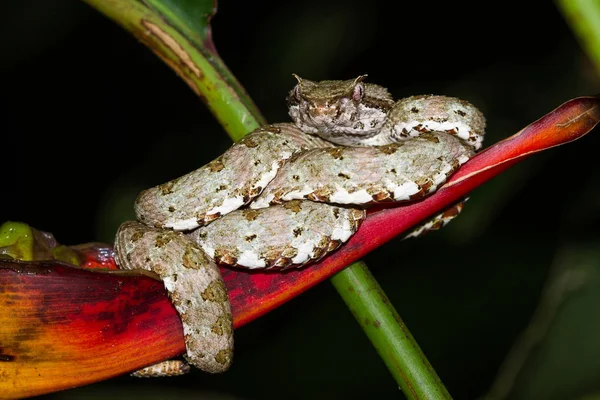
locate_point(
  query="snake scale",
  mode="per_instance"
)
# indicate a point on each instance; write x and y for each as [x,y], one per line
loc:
[288,194]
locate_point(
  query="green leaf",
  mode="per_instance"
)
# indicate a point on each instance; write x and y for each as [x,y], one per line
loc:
[16,241]
[20,241]
[191,17]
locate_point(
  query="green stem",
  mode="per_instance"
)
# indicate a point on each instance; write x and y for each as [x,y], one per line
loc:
[391,338]
[195,62]
[583,16]
[185,45]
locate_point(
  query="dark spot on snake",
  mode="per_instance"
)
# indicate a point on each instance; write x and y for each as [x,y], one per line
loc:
[460,112]
[161,240]
[358,216]
[421,128]
[189,259]
[295,177]
[336,153]
[455,164]
[321,195]
[336,213]
[166,188]
[281,263]
[216,165]
[436,225]
[256,163]
[390,148]
[224,356]
[424,184]
[250,214]
[431,138]
[271,128]
[137,236]
[255,191]
[288,253]
[414,110]
[381,195]
[342,175]
[211,217]
[215,291]
[223,256]
[321,248]
[250,238]
[221,187]
[333,245]
[174,277]
[417,195]
[171,209]
[222,326]
[297,231]
[318,253]
[293,205]
[452,211]
[250,141]
[393,171]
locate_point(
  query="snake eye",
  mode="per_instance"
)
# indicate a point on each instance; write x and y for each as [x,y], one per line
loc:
[297,93]
[358,92]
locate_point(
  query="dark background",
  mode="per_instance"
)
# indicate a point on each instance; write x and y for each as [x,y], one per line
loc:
[90,117]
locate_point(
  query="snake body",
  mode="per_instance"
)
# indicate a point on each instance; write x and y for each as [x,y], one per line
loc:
[306,185]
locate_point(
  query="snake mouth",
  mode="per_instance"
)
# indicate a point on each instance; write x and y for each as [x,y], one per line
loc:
[320,121]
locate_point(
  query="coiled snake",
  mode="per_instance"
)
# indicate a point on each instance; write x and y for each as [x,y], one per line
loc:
[288,194]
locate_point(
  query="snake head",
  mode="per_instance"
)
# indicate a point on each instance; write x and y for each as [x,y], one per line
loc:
[336,108]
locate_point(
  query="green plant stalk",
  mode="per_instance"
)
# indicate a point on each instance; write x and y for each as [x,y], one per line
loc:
[583,16]
[391,338]
[176,42]
[203,71]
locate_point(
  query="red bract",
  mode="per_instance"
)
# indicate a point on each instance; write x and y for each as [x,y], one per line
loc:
[62,327]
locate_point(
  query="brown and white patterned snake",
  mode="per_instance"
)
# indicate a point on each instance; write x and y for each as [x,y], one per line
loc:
[288,194]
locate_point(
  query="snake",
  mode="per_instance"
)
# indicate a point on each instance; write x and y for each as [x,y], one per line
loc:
[288,194]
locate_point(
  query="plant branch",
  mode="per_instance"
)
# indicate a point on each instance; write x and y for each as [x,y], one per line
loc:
[388,333]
